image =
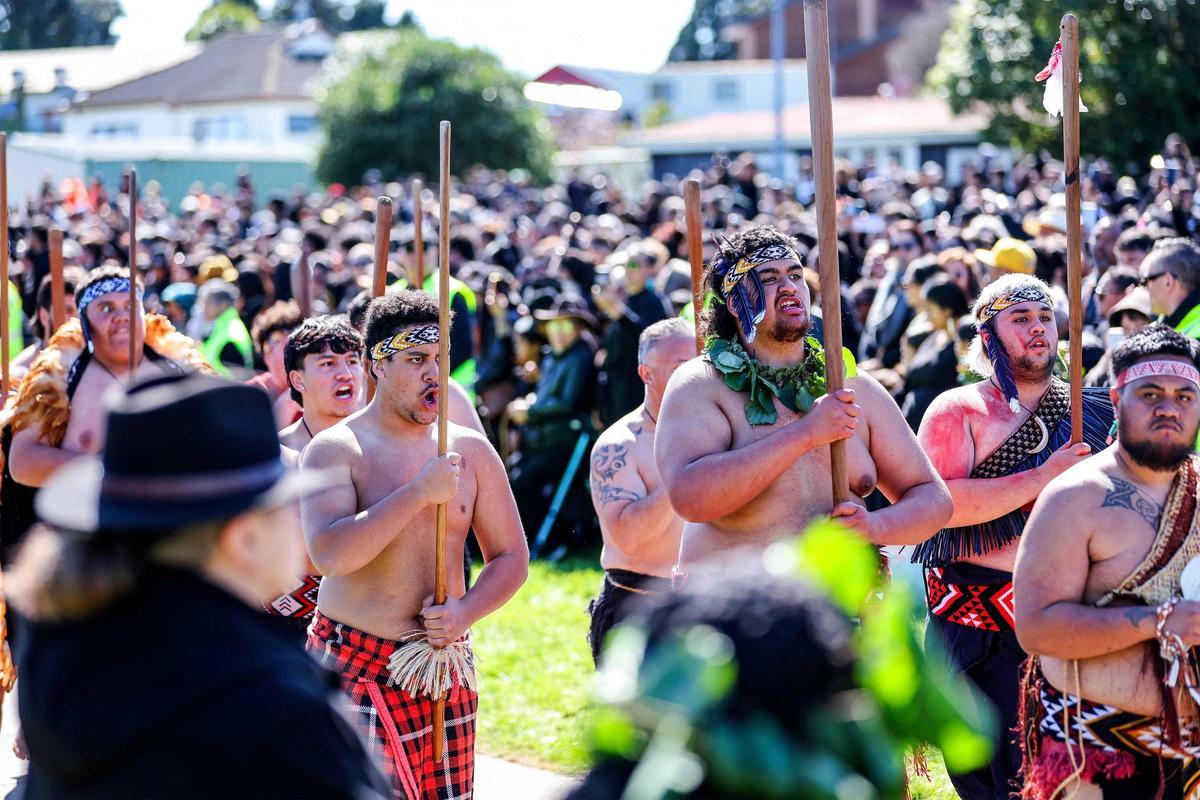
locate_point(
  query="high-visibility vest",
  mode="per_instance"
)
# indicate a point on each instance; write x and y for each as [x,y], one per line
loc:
[16,334]
[1190,324]
[227,328]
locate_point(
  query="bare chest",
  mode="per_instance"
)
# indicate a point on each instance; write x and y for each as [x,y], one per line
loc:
[806,485]
[85,429]
[382,469]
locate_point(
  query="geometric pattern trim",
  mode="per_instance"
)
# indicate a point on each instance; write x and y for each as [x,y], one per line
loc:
[299,601]
[987,608]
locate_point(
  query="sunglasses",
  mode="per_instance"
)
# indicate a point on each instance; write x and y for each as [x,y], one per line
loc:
[903,245]
[1148,279]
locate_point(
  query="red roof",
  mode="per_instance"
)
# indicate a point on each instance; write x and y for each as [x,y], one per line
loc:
[563,75]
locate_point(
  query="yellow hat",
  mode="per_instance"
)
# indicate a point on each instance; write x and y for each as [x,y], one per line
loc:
[217,266]
[1009,255]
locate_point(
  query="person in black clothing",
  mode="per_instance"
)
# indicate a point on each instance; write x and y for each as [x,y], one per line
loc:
[631,306]
[932,367]
[556,417]
[143,597]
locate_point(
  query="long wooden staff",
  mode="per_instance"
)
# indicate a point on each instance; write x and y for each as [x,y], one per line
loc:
[301,277]
[691,207]
[133,296]
[1069,36]
[5,322]
[820,115]
[58,300]
[383,239]
[439,590]
[419,233]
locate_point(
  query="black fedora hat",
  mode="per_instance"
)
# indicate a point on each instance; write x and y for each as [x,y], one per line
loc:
[178,451]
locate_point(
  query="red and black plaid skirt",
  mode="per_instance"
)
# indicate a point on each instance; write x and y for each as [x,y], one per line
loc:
[399,727]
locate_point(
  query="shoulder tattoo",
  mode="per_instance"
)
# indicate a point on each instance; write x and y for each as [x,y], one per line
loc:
[1124,494]
[607,461]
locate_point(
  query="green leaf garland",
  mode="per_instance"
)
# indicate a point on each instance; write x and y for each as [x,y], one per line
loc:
[797,387]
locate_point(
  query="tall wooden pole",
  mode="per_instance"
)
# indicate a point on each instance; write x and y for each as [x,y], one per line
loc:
[695,223]
[383,241]
[58,300]
[5,322]
[820,115]
[419,233]
[439,591]
[133,276]
[301,276]
[1069,36]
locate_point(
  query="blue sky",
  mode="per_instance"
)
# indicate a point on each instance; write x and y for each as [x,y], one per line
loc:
[529,36]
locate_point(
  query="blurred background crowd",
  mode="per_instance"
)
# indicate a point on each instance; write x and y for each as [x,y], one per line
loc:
[553,284]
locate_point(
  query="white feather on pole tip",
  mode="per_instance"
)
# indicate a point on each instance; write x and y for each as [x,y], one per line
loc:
[1052,74]
[422,670]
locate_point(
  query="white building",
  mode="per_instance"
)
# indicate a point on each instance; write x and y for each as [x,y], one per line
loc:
[678,90]
[242,87]
[906,130]
[48,81]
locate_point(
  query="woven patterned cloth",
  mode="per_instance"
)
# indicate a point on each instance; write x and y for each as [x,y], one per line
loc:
[398,727]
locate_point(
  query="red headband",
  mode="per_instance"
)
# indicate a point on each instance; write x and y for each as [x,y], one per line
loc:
[1150,369]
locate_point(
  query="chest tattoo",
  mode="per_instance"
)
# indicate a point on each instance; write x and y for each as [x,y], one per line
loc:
[1124,494]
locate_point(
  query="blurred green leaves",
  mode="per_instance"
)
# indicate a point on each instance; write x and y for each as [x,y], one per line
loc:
[667,707]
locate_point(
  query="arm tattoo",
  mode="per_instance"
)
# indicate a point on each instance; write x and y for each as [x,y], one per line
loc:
[1136,614]
[1124,494]
[607,461]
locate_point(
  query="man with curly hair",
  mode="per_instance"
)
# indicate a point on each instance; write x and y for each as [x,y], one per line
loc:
[373,540]
[743,433]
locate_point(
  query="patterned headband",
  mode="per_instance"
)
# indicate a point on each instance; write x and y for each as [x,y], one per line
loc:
[103,287]
[772,252]
[1025,293]
[1157,368]
[409,337]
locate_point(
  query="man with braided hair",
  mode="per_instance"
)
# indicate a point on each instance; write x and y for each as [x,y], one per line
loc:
[1109,602]
[997,443]
[742,434]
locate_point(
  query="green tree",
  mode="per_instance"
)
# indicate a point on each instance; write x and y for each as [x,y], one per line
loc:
[38,24]
[381,110]
[224,16]
[701,37]
[336,15]
[1138,66]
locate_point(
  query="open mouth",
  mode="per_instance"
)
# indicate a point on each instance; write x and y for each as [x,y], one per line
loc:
[791,306]
[344,392]
[1039,344]
[430,398]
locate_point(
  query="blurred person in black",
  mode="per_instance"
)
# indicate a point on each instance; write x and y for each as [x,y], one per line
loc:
[631,305]
[154,567]
[556,419]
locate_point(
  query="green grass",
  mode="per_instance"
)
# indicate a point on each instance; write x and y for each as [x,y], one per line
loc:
[535,673]
[535,669]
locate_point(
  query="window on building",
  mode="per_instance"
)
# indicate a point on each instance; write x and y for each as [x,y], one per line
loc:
[114,129]
[662,90]
[223,128]
[301,124]
[725,91]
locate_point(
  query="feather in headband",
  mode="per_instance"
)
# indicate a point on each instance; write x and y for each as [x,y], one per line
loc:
[749,301]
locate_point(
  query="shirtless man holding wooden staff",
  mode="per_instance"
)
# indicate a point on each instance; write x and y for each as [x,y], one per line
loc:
[746,466]
[1107,583]
[373,540]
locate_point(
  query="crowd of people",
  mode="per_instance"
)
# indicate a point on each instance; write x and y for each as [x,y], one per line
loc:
[582,418]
